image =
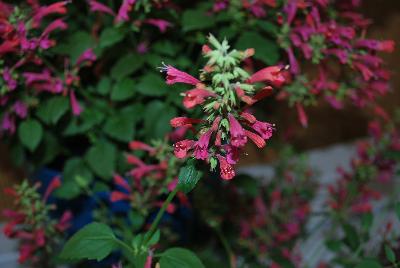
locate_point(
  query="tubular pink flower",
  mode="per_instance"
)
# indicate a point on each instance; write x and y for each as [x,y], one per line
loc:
[272,74]
[162,25]
[264,129]
[87,56]
[201,146]
[248,117]
[123,11]
[195,97]
[184,121]
[176,76]
[76,108]
[258,141]
[182,147]
[57,24]
[238,137]
[138,145]
[96,6]
[56,8]
[302,115]
[226,170]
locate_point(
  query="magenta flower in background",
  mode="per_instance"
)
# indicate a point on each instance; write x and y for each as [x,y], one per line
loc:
[161,24]
[123,12]
[99,7]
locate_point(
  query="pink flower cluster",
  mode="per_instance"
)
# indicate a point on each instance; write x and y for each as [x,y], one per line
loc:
[373,163]
[310,31]
[23,38]
[229,125]
[31,224]
[148,180]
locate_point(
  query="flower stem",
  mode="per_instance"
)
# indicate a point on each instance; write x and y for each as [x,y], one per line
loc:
[160,213]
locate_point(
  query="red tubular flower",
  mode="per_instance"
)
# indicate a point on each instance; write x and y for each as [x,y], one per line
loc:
[138,145]
[195,97]
[54,184]
[176,76]
[162,25]
[201,146]
[238,137]
[226,170]
[119,196]
[264,129]
[118,180]
[248,117]
[272,74]
[259,141]
[182,147]
[184,121]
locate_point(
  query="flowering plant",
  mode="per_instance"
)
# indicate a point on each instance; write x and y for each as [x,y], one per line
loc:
[79,81]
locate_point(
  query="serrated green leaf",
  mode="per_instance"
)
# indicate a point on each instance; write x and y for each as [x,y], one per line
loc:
[88,119]
[180,257]
[53,109]
[120,127]
[75,45]
[104,86]
[102,159]
[123,90]
[30,133]
[152,85]
[110,36]
[196,20]
[95,241]
[351,236]
[125,66]
[188,178]
[156,119]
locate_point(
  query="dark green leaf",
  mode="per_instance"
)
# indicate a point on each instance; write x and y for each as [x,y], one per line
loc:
[104,86]
[123,90]
[30,133]
[368,264]
[397,209]
[351,236]
[266,49]
[126,65]
[75,45]
[196,20]
[154,239]
[73,168]
[188,178]
[110,36]
[88,119]
[51,110]
[180,257]
[120,127]
[156,119]
[102,159]
[152,85]
[390,254]
[95,241]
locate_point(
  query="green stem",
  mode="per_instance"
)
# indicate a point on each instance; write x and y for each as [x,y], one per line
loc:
[125,246]
[160,213]
[228,250]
